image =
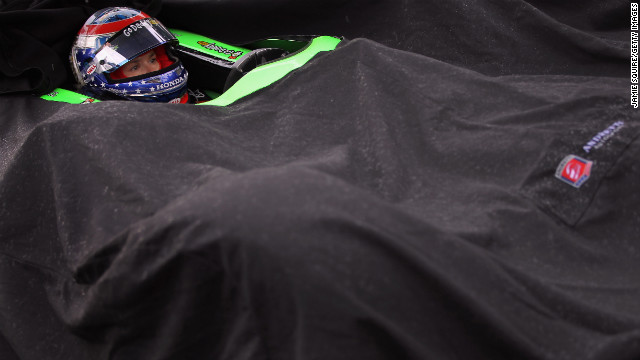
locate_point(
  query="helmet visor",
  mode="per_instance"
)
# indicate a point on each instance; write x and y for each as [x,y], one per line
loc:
[135,39]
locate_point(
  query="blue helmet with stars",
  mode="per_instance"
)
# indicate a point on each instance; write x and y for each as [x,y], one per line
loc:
[114,36]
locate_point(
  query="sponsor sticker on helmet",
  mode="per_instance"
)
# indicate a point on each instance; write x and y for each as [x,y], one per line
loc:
[91,69]
[133,28]
[574,170]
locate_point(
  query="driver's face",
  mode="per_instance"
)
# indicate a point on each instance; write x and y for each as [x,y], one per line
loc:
[143,64]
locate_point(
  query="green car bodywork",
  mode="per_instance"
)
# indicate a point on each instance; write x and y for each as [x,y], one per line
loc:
[256,79]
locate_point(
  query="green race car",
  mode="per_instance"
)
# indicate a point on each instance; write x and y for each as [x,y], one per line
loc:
[222,73]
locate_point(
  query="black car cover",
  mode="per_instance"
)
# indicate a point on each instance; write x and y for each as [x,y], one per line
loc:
[457,180]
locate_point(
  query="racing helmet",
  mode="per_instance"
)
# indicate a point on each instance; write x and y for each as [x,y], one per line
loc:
[112,37]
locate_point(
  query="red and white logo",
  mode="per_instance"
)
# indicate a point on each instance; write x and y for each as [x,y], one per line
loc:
[574,170]
[91,69]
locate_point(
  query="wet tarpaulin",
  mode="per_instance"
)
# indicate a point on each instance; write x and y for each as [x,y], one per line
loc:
[457,180]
